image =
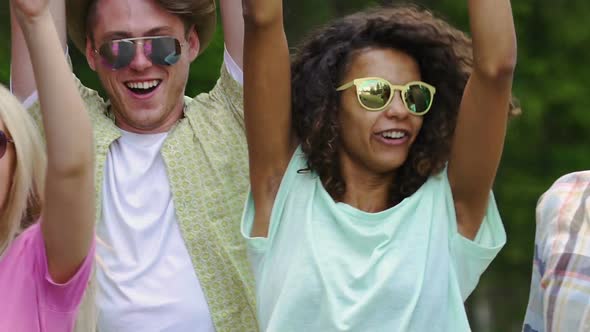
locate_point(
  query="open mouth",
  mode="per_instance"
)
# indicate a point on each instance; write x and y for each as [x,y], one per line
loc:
[142,88]
[393,135]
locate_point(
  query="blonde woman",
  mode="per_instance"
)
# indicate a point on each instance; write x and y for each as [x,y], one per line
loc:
[44,265]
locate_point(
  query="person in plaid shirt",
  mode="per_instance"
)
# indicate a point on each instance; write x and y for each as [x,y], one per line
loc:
[560,285]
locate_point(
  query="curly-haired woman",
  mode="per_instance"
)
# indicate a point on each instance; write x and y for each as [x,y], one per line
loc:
[44,266]
[371,170]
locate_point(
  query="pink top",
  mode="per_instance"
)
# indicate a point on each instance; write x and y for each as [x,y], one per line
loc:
[29,300]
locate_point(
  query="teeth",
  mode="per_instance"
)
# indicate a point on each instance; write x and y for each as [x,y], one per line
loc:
[393,134]
[142,85]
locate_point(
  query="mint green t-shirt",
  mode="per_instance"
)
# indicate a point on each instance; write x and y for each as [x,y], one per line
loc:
[327,266]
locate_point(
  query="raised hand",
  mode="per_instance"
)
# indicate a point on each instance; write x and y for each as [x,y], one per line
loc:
[22,82]
[28,10]
[262,12]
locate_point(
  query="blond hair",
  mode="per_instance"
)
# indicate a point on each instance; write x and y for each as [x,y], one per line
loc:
[25,195]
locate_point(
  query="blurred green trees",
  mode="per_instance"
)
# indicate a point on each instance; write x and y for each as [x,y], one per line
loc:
[551,138]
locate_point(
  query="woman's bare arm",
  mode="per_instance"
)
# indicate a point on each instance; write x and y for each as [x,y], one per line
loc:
[68,211]
[267,104]
[481,127]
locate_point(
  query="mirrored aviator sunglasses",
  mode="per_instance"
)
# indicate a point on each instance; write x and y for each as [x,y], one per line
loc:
[119,53]
[4,140]
[375,94]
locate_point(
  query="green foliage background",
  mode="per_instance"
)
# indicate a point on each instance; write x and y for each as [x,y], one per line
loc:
[551,138]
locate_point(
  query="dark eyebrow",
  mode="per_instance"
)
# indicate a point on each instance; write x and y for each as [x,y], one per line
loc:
[158,31]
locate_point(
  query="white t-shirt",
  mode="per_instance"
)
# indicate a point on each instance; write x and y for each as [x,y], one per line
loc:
[146,280]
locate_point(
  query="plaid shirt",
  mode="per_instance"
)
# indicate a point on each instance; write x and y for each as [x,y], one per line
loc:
[560,286]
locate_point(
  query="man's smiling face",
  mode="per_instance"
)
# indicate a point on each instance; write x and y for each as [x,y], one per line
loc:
[145,97]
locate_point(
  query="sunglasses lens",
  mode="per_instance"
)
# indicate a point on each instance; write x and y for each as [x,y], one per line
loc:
[3,143]
[418,98]
[374,94]
[163,51]
[117,54]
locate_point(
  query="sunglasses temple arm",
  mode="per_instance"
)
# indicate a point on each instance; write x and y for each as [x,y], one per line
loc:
[345,86]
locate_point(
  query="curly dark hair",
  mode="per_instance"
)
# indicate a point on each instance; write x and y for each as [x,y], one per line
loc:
[444,56]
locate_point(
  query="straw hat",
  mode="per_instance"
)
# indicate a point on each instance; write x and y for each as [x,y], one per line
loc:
[77,12]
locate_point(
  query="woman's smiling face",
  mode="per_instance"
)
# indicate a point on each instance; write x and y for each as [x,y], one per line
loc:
[378,142]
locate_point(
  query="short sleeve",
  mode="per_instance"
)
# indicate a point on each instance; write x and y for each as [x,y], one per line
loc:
[472,257]
[227,93]
[259,243]
[232,67]
[65,297]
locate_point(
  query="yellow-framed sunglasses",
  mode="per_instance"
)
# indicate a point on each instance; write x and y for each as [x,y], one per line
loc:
[375,94]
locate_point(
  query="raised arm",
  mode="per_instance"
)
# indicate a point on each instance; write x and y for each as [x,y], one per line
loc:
[21,71]
[68,211]
[267,104]
[233,29]
[481,126]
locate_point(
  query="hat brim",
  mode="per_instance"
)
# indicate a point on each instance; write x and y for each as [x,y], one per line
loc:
[77,12]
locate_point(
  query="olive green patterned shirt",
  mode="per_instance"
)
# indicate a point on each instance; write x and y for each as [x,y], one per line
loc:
[207,164]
